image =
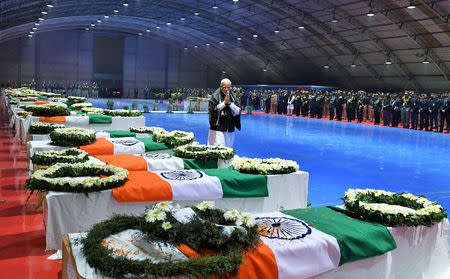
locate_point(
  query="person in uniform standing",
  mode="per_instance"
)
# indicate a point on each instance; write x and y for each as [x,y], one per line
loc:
[414,107]
[444,113]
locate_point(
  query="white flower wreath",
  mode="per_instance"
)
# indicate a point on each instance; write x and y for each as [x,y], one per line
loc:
[392,209]
[265,166]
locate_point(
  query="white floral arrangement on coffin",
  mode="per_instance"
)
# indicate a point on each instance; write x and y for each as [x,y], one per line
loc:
[265,166]
[173,138]
[392,209]
[44,127]
[51,157]
[61,100]
[204,152]
[92,110]
[146,130]
[122,112]
[79,106]
[78,177]
[72,136]
[76,99]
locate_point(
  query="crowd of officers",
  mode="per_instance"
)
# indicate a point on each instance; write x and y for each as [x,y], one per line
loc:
[429,112]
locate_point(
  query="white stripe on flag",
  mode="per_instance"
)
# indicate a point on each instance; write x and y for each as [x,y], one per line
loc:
[156,164]
[192,185]
[313,254]
[77,120]
[127,145]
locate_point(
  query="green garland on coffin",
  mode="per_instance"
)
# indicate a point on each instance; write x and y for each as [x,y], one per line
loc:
[48,110]
[199,232]
[416,211]
[72,136]
[42,128]
[174,138]
[48,158]
[123,112]
[60,178]
[204,152]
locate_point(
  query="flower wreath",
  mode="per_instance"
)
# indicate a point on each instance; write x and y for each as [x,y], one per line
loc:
[92,110]
[122,112]
[48,110]
[204,152]
[265,166]
[146,130]
[203,227]
[72,136]
[174,138]
[79,106]
[392,209]
[75,99]
[48,158]
[66,178]
[42,128]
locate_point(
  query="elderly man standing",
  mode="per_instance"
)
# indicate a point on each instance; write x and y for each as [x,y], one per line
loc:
[224,115]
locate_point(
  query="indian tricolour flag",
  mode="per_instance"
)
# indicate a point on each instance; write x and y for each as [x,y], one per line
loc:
[152,162]
[79,120]
[123,145]
[303,243]
[146,186]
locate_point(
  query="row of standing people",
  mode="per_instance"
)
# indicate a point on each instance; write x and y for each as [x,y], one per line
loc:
[411,110]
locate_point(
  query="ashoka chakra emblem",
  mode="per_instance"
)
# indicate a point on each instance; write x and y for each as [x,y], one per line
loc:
[182,175]
[130,142]
[282,228]
[157,156]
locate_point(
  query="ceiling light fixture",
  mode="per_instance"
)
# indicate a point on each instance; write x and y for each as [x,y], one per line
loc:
[185,48]
[208,44]
[41,18]
[125,4]
[265,70]
[196,13]
[50,6]
[425,61]
[223,72]
[411,5]
[30,36]
[157,27]
[326,66]
[44,12]
[239,38]
[276,31]
[182,18]
[169,23]
[37,23]
[235,1]
[388,62]
[92,24]
[334,20]
[255,36]
[99,20]
[370,13]
[301,27]
[106,16]
[116,11]
[148,30]
[140,33]
[87,28]
[34,28]
[195,46]
[221,42]
[31,32]
[353,65]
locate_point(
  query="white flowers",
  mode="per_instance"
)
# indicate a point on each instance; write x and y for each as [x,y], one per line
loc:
[145,130]
[241,219]
[204,151]
[164,206]
[153,215]
[265,166]
[75,131]
[203,206]
[48,175]
[79,106]
[166,226]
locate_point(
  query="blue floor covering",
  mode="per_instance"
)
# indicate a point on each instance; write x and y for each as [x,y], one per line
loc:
[337,155]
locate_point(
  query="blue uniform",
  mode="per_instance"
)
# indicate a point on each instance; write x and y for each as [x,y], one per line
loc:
[444,114]
[423,110]
[433,108]
[395,109]
[415,104]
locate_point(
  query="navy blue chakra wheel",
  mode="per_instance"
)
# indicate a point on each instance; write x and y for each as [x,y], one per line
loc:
[182,175]
[282,228]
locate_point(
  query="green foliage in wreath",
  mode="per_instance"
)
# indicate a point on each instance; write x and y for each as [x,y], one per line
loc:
[48,110]
[42,128]
[174,138]
[204,152]
[123,112]
[51,157]
[61,178]
[72,137]
[75,99]
[200,232]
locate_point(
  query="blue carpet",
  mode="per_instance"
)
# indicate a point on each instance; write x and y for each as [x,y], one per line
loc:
[337,155]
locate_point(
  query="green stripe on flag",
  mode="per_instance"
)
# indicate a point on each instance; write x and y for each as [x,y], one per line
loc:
[357,239]
[199,164]
[151,145]
[120,133]
[240,185]
[99,119]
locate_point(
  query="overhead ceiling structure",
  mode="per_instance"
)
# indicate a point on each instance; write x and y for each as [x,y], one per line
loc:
[357,44]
